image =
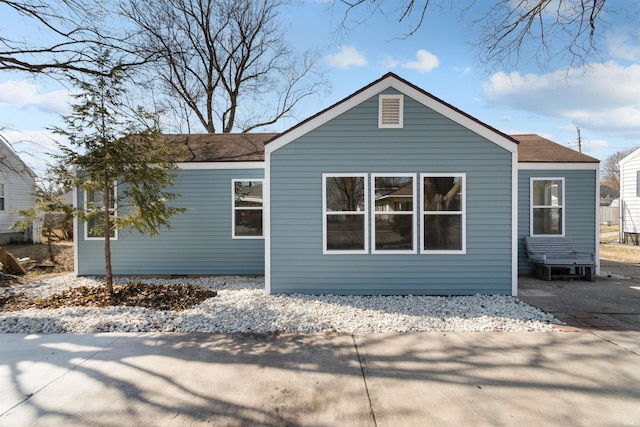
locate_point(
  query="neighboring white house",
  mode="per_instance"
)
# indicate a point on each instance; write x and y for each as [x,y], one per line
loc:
[17,191]
[630,197]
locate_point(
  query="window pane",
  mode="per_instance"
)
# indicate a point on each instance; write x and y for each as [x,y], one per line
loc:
[443,193]
[547,192]
[345,193]
[1,203]
[443,232]
[97,198]
[393,193]
[394,232]
[547,221]
[95,227]
[248,193]
[345,232]
[248,222]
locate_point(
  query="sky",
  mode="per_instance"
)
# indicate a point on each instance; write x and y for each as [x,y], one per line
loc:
[601,98]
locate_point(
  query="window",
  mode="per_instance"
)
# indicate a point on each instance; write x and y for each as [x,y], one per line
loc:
[247,209]
[547,206]
[2,197]
[443,213]
[394,220]
[344,205]
[94,226]
[390,111]
[637,184]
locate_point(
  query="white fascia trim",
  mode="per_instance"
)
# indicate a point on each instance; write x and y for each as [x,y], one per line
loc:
[558,166]
[266,223]
[407,90]
[514,224]
[220,165]
[629,157]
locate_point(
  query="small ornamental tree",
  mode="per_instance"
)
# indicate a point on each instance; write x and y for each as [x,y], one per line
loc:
[118,162]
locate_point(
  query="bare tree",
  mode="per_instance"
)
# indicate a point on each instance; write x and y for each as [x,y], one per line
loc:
[514,29]
[611,168]
[64,36]
[225,60]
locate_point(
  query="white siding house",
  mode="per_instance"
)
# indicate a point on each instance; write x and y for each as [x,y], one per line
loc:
[630,197]
[17,191]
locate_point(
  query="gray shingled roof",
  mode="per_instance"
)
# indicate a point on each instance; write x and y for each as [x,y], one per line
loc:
[249,147]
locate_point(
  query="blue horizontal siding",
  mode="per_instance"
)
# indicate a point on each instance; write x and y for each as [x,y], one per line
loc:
[352,143]
[580,210]
[200,239]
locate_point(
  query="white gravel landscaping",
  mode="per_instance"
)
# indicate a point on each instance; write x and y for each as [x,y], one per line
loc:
[242,306]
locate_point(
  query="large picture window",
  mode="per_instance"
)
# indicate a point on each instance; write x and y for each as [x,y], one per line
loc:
[547,206]
[443,213]
[344,199]
[247,209]
[94,226]
[394,220]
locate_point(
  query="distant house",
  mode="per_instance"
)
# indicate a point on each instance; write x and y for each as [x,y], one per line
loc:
[630,198]
[389,191]
[17,191]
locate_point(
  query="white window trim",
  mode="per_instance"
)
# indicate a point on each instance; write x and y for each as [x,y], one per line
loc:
[531,206]
[3,195]
[325,251]
[115,213]
[400,123]
[251,208]
[414,223]
[463,214]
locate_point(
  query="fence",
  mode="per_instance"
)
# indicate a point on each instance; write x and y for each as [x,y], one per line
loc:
[609,215]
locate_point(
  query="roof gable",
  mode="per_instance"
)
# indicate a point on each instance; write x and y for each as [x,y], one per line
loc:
[630,157]
[408,89]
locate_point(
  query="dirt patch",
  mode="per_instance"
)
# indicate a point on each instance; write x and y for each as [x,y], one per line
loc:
[157,297]
[63,254]
[619,252]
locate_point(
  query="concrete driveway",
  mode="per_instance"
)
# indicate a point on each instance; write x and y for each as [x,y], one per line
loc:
[443,379]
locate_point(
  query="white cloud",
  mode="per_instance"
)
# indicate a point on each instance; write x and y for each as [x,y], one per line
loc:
[624,45]
[604,97]
[347,57]
[425,61]
[22,94]
[34,147]
[389,63]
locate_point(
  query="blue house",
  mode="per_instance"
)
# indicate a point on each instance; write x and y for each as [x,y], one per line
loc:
[389,191]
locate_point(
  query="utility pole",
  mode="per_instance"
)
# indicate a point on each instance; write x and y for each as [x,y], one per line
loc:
[579,140]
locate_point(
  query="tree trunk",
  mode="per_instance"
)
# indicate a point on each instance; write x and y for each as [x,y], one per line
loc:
[108,274]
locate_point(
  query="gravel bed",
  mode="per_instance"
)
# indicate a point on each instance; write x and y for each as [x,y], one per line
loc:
[242,306]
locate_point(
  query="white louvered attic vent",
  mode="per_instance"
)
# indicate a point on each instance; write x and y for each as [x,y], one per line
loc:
[390,111]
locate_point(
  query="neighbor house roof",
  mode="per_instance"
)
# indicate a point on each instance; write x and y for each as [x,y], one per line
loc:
[533,148]
[221,147]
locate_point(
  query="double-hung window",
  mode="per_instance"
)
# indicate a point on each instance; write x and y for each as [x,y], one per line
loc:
[247,209]
[394,219]
[443,213]
[345,213]
[2,197]
[94,200]
[547,206]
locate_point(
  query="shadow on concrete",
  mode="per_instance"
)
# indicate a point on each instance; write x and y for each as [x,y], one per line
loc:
[316,380]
